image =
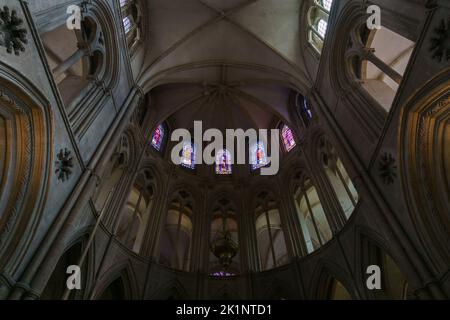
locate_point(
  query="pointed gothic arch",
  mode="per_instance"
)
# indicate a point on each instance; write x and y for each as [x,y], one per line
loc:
[122,162]
[119,279]
[338,176]
[26,139]
[137,210]
[56,284]
[270,234]
[314,222]
[331,281]
[394,284]
[425,171]
[175,243]
[88,64]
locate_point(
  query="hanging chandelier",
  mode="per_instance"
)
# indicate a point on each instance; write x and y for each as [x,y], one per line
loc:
[224,248]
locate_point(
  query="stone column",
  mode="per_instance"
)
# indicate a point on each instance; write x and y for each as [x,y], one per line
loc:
[200,238]
[249,235]
[69,62]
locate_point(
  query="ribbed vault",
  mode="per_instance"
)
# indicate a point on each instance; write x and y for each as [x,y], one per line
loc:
[193,40]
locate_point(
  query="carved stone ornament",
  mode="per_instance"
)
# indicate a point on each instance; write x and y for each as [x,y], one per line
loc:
[64,165]
[387,168]
[12,34]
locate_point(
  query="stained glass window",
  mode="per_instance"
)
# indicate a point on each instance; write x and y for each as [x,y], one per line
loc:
[223,162]
[188,155]
[288,138]
[158,137]
[304,109]
[259,156]
[222,274]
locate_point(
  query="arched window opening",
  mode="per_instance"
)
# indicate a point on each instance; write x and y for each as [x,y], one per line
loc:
[26,144]
[394,285]
[131,19]
[304,110]
[188,155]
[135,216]
[258,156]
[223,162]
[175,242]
[75,57]
[158,137]
[383,58]
[56,285]
[269,233]
[127,24]
[318,16]
[224,259]
[287,138]
[315,227]
[338,177]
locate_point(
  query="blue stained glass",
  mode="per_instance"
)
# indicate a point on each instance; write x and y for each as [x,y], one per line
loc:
[306,109]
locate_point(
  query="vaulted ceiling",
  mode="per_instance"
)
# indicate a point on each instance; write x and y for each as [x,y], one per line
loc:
[231,63]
